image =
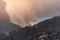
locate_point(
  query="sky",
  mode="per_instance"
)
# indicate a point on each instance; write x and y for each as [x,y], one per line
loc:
[52,7]
[3,14]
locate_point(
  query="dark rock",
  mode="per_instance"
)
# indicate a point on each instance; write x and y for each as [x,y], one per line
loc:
[48,30]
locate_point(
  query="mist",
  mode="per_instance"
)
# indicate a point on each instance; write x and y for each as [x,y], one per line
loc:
[23,12]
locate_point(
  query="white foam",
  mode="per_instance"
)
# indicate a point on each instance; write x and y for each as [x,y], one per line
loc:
[40,20]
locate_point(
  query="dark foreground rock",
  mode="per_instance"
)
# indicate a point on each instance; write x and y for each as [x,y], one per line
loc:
[46,30]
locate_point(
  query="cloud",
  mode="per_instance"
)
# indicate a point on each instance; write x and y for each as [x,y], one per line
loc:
[22,12]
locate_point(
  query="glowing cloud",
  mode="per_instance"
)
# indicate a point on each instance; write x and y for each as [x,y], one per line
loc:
[22,12]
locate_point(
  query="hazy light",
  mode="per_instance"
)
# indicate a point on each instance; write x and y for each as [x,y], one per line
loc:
[22,12]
